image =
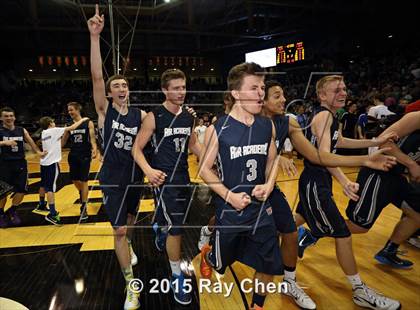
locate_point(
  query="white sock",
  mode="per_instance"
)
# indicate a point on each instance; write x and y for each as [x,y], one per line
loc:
[175,267]
[291,275]
[207,231]
[355,280]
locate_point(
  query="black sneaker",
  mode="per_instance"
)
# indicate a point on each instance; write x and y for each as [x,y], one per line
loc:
[390,258]
[42,208]
[83,214]
[53,219]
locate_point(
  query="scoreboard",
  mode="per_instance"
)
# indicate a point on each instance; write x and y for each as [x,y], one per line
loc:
[290,53]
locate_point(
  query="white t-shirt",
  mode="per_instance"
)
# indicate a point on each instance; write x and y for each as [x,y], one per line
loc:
[51,142]
[200,131]
[379,111]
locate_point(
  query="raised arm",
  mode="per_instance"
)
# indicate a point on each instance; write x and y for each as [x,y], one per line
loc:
[76,124]
[96,25]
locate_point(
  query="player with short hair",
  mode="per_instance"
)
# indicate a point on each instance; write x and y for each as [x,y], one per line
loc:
[82,149]
[170,127]
[13,165]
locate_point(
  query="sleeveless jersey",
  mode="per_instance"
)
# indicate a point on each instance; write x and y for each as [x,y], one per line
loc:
[9,153]
[241,163]
[118,135]
[409,145]
[170,140]
[281,124]
[80,141]
[313,139]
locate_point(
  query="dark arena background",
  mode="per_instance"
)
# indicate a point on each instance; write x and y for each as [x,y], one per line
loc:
[70,262]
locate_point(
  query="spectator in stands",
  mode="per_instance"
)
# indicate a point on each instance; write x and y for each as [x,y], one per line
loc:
[379,110]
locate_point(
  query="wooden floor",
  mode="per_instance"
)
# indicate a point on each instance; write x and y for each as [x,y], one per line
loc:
[74,266]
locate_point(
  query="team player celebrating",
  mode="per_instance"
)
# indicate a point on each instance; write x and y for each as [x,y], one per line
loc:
[170,127]
[315,189]
[82,149]
[13,166]
[242,142]
[119,177]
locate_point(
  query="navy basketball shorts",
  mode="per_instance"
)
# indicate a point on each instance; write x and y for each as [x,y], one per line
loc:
[377,190]
[49,176]
[258,249]
[15,173]
[119,198]
[79,167]
[172,201]
[318,207]
[282,215]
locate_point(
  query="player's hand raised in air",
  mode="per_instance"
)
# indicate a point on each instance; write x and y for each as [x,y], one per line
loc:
[96,23]
[156,177]
[379,161]
[238,200]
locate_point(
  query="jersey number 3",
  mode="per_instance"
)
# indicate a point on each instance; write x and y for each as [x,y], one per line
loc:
[252,165]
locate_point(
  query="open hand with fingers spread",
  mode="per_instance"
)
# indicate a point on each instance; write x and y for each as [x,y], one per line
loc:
[379,161]
[96,23]
[288,166]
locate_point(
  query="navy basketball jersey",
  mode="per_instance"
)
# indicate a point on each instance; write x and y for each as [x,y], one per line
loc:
[17,152]
[334,132]
[80,140]
[119,133]
[409,145]
[170,140]
[241,163]
[281,124]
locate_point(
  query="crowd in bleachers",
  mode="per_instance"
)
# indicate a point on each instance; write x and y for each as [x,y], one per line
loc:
[394,80]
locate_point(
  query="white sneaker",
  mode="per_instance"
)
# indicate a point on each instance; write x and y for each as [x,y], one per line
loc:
[301,298]
[364,296]
[414,241]
[204,238]
[133,255]
[131,300]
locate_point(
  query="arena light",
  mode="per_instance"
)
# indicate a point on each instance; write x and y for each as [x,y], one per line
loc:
[211,69]
[30,70]
[154,69]
[193,69]
[54,70]
[390,36]
[76,70]
[167,1]
[135,69]
[265,58]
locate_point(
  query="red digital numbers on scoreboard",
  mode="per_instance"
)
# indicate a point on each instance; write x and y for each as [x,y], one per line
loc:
[290,53]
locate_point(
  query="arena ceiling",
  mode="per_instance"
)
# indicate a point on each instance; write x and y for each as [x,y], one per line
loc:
[190,26]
